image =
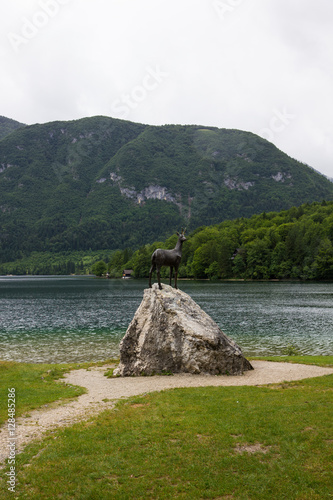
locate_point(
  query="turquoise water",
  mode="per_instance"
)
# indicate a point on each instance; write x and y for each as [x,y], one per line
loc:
[65,319]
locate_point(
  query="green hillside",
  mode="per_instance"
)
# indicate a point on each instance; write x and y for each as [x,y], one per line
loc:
[101,183]
[291,244]
[7,126]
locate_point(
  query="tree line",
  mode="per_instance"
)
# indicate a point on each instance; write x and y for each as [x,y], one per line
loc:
[49,263]
[291,244]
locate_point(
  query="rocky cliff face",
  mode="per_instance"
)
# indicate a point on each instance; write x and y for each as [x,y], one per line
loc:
[171,333]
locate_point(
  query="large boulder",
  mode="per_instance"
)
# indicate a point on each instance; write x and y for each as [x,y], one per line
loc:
[170,333]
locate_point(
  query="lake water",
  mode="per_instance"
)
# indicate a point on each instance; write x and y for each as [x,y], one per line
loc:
[66,319]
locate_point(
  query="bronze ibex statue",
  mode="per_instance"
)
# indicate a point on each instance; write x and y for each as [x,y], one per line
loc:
[167,258]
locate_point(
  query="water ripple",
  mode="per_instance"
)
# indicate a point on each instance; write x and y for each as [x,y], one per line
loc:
[57,320]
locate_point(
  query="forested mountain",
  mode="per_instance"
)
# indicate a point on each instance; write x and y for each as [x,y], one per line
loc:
[7,126]
[291,244]
[101,183]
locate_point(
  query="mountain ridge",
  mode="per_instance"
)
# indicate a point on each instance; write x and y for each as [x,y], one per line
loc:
[7,126]
[101,182]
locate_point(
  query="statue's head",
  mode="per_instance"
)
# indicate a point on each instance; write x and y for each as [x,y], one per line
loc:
[182,235]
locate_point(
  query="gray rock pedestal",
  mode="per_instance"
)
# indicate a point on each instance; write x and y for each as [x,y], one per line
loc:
[170,333]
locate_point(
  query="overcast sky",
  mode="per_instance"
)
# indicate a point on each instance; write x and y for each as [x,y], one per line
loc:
[263,66]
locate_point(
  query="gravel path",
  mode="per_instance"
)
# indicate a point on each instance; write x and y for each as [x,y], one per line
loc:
[104,392]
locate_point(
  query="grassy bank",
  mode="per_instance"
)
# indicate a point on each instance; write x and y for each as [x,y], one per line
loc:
[227,442]
[35,385]
[305,360]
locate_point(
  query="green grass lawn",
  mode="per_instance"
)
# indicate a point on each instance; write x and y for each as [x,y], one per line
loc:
[271,442]
[305,360]
[35,385]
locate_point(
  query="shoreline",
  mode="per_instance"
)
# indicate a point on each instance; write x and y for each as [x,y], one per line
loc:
[165,280]
[278,358]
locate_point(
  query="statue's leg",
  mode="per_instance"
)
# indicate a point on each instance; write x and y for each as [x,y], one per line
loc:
[176,274]
[159,278]
[170,275]
[150,273]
